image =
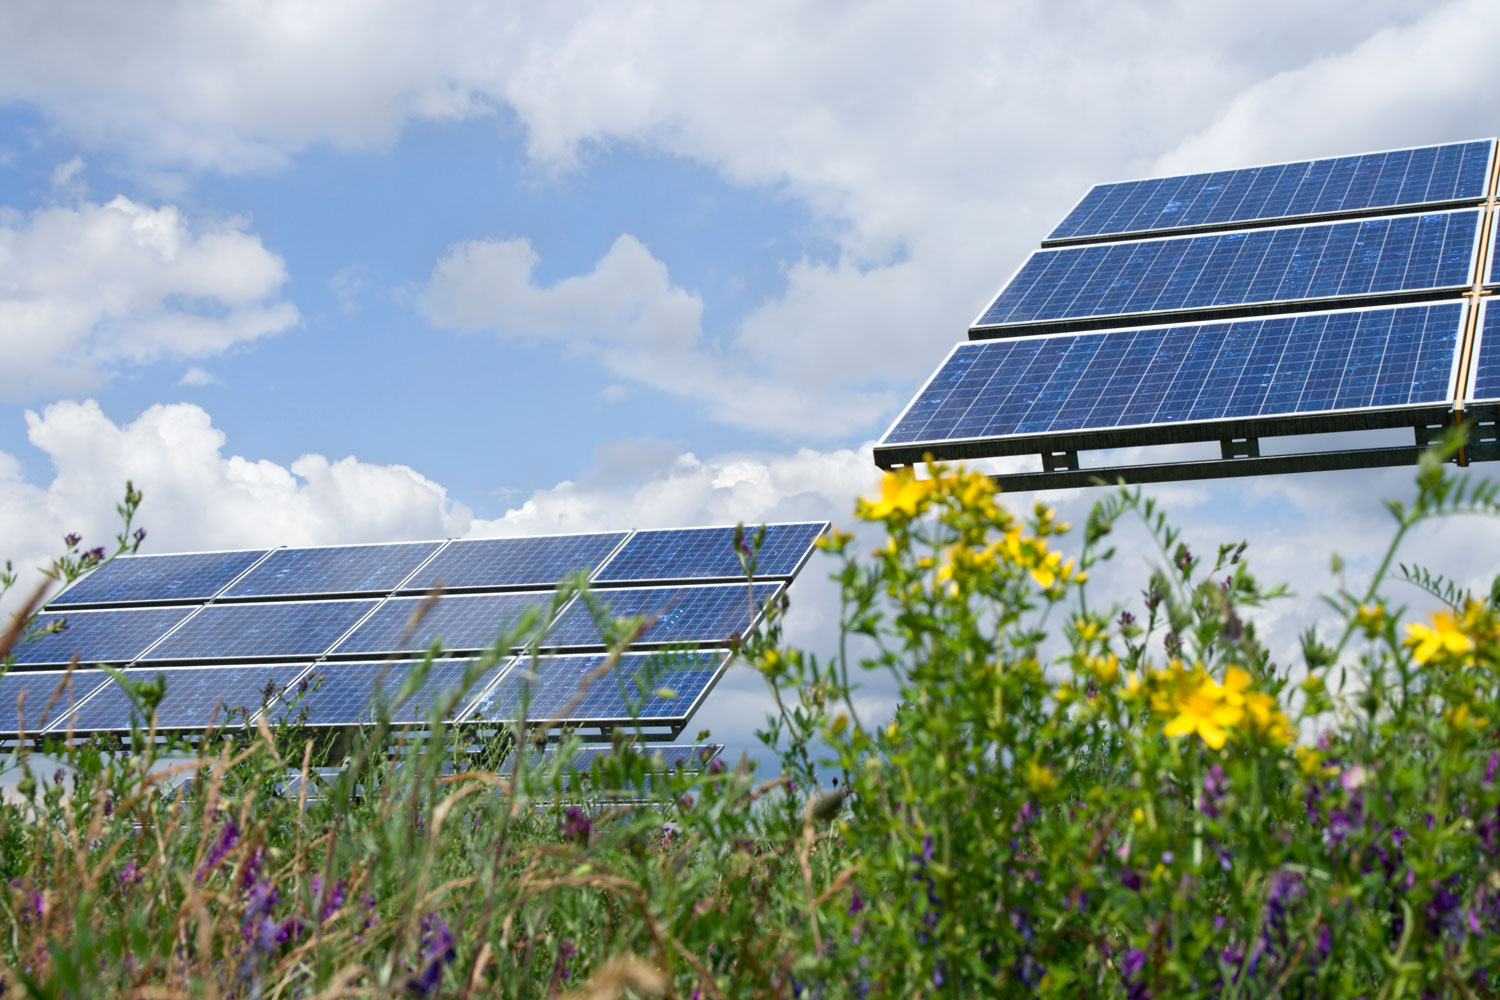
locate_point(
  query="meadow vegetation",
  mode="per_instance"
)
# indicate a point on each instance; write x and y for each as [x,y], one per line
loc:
[1072,800]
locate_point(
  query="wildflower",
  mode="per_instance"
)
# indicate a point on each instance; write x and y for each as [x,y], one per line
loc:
[1443,637]
[902,495]
[1461,718]
[1106,669]
[715,766]
[1205,709]
[1040,778]
[1371,618]
[71,539]
[576,825]
[437,953]
[228,837]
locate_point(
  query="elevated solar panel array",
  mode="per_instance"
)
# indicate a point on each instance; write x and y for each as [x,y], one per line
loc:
[1302,298]
[323,637]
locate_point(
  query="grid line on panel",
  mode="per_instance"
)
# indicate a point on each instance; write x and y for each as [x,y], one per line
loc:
[672,554]
[38,688]
[293,629]
[686,614]
[117,635]
[538,560]
[175,577]
[337,569]
[1259,267]
[564,689]
[195,697]
[1361,183]
[460,621]
[1281,365]
[344,693]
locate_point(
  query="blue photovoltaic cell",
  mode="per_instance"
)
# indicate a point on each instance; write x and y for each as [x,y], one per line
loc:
[344,693]
[663,757]
[232,631]
[677,614]
[1426,176]
[1491,278]
[196,697]
[1247,368]
[657,687]
[98,636]
[343,569]
[460,622]
[193,576]
[708,553]
[1487,362]
[39,687]
[514,562]
[1285,264]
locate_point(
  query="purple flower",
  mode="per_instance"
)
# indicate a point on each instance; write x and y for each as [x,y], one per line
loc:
[856,902]
[576,825]
[715,766]
[228,837]
[1126,619]
[332,900]
[139,535]
[131,874]
[71,539]
[437,954]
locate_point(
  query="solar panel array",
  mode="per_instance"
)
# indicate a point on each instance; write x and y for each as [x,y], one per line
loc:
[1343,185]
[1211,306]
[319,636]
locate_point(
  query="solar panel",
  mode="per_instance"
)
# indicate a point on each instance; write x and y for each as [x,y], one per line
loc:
[342,694]
[193,576]
[1262,267]
[508,562]
[1484,378]
[117,636]
[338,569]
[196,697]
[1304,363]
[708,553]
[1431,175]
[27,693]
[654,688]
[461,622]
[703,614]
[1491,277]
[262,631]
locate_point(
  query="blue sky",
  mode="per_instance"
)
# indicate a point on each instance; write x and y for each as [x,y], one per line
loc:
[330,273]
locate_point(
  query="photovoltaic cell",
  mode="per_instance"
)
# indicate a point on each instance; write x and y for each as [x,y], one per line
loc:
[1345,184]
[236,631]
[676,614]
[461,622]
[1309,362]
[196,697]
[117,636]
[658,687]
[193,576]
[1369,257]
[708,553]
[345,693]
[341,569]
[1486,375]
[38,687]
[511,562]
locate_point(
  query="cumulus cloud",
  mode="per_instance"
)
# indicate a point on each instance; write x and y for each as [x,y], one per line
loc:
[196,376]
[930,163]
[93,288]
[627,314]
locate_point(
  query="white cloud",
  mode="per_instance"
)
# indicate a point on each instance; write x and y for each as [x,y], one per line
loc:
[627,313]
[196,376]
[932,162]
[93,288]
[65,175]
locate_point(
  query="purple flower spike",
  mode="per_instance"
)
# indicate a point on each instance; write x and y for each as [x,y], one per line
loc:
[228,837]
[576,825]
[437,953]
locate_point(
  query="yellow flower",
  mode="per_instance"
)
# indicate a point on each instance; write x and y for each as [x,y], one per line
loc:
[1443,637]
[901,494]
[1459,718]
[1310,762]
[1039,778]
[1204,710]
[1371,618]
[1106,669]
